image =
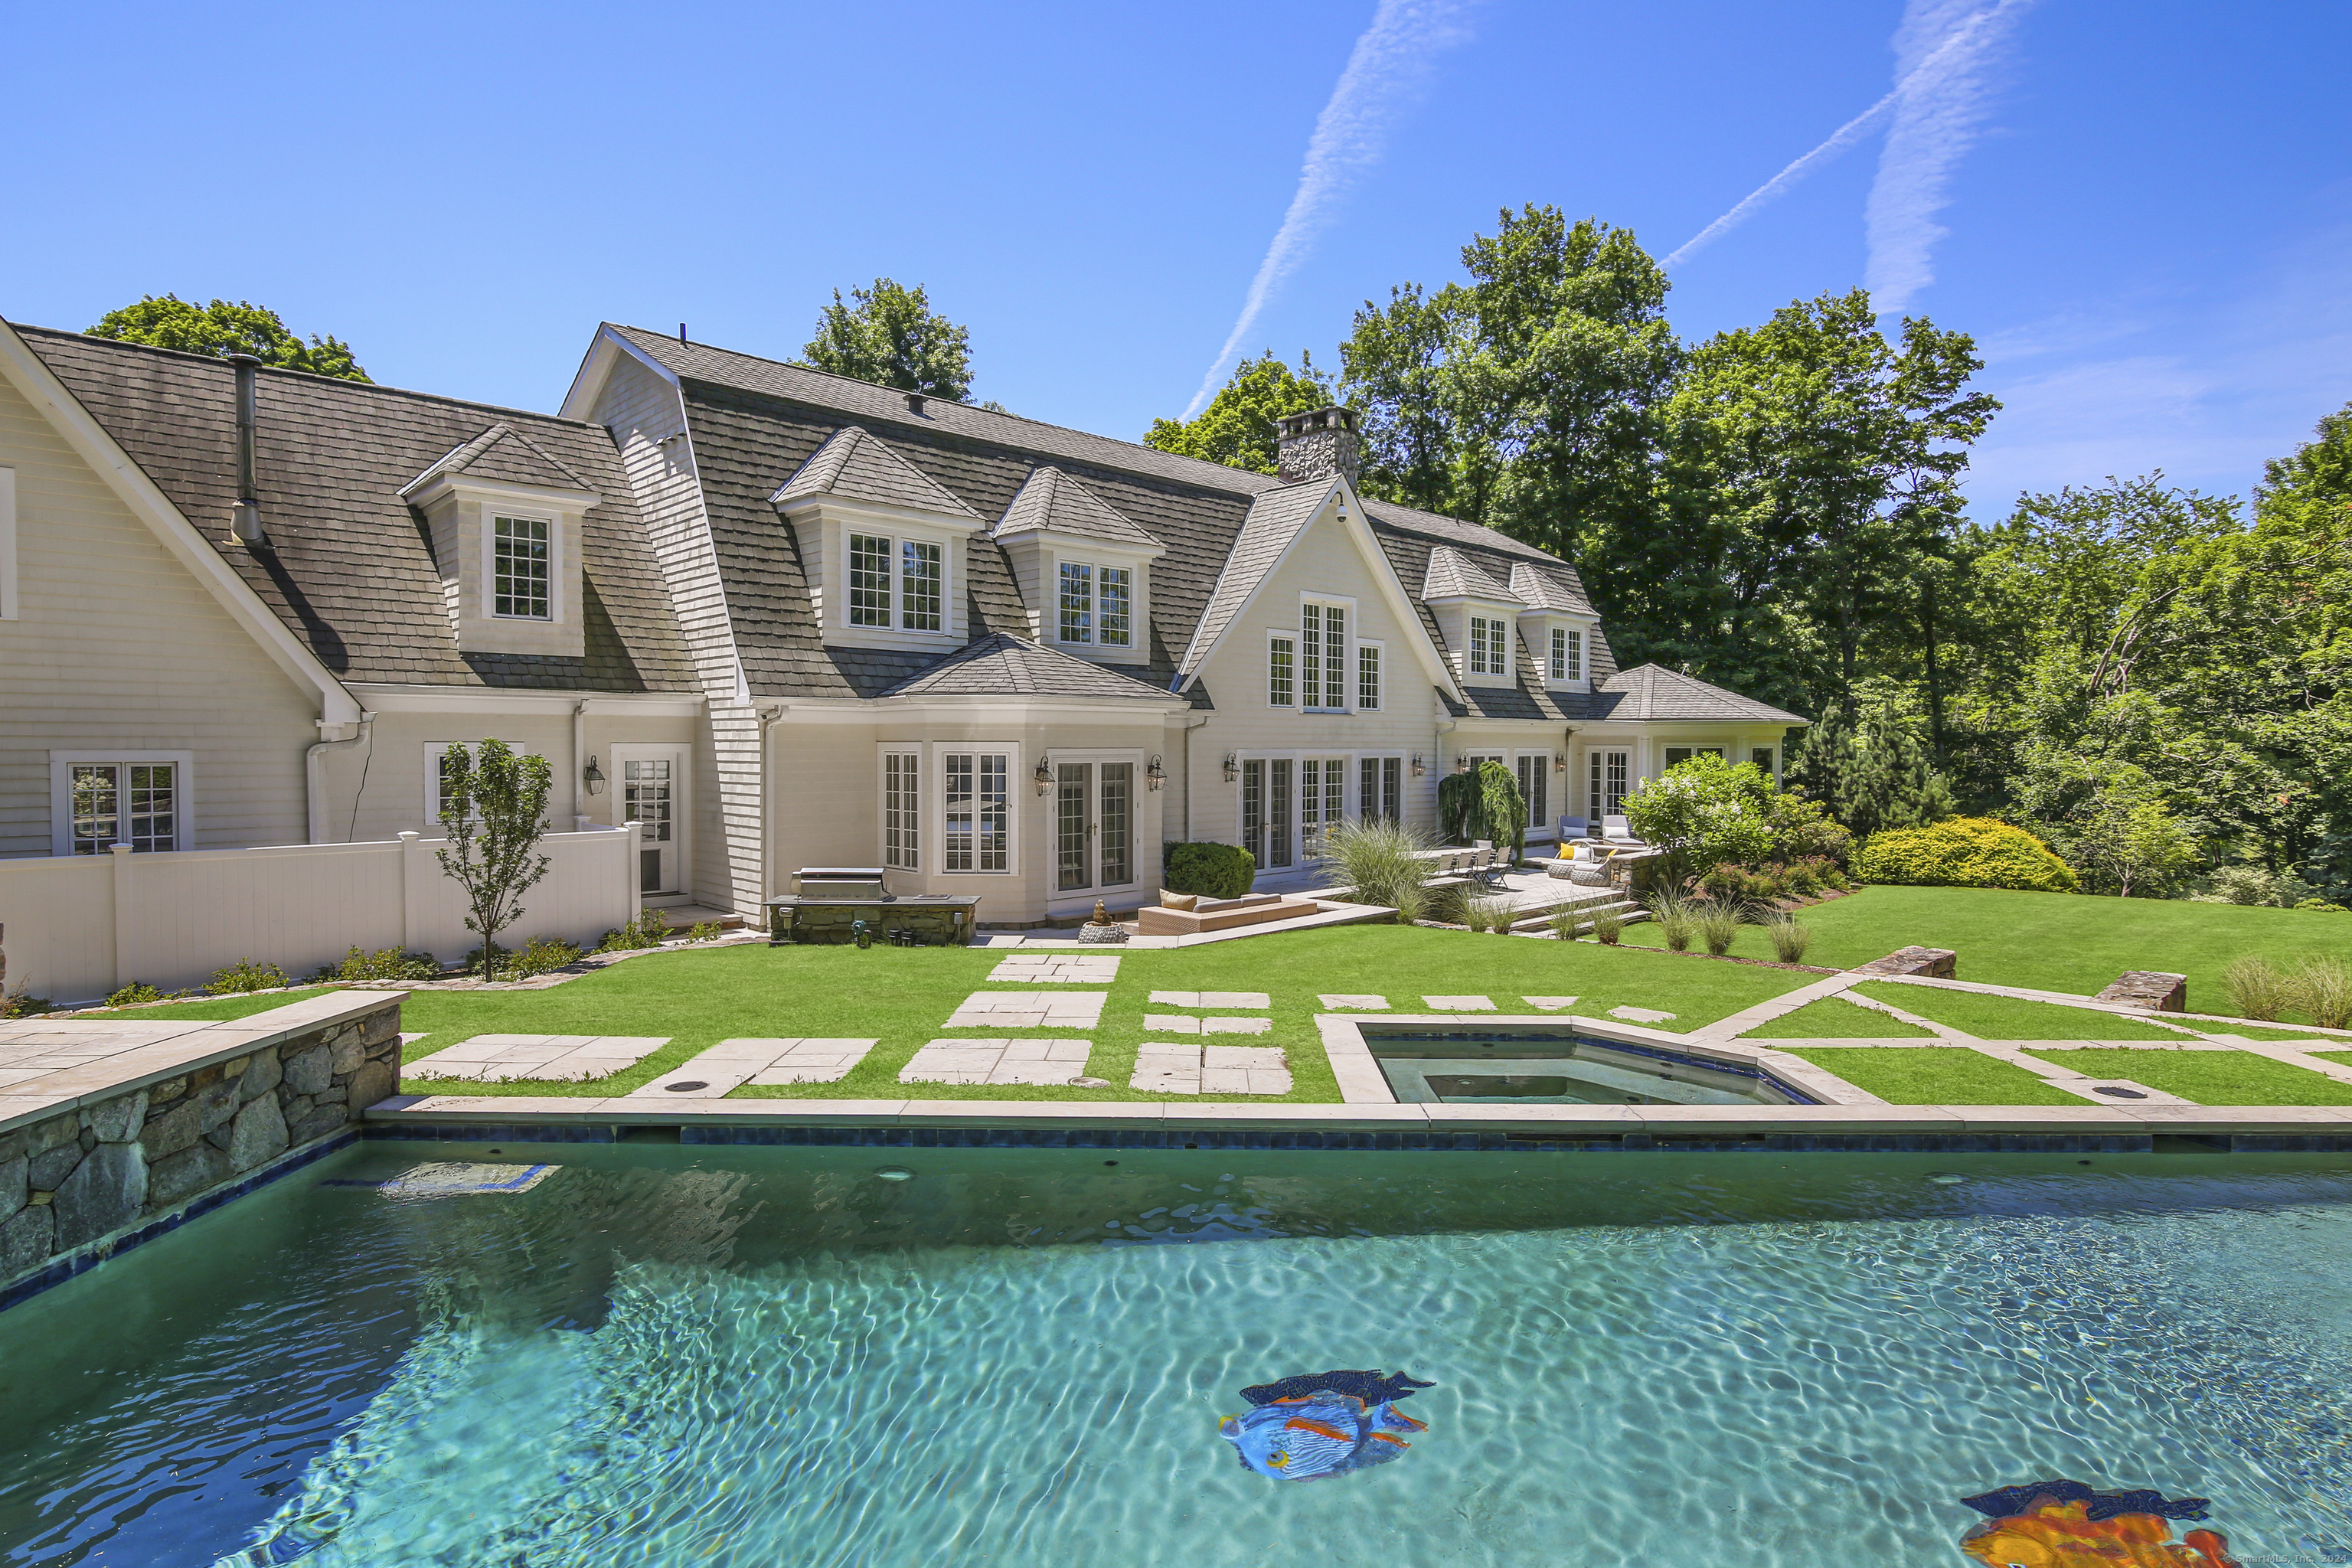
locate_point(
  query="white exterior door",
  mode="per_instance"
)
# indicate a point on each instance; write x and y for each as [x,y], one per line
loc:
[1535,788]
[1609,780]
[1093,825]
[652,792]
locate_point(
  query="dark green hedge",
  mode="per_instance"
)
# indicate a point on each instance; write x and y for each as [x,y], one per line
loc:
[1212,871]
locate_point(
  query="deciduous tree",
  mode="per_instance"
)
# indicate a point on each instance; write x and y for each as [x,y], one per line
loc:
[221,328]
[892,337]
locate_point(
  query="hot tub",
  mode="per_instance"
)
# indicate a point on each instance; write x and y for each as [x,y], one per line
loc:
[1430,1064]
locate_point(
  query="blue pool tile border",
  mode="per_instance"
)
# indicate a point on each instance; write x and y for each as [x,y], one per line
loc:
[82,1262]
[1341,1140]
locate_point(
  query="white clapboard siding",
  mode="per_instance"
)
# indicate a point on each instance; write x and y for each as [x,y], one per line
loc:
[77,928]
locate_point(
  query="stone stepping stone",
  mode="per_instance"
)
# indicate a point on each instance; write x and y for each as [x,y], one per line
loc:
[1211,1069]
[1641,1015]
[998,1061]
[1459,1004]
[731,1063]
[1550,1004]
[556,1059]
[1181,1024]
[1056,968]
[1213,999]
[1356,1000]
[1029,1010]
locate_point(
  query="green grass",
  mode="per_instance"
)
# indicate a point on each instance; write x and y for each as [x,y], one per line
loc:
[1834,1018]
[698,996]
[2053,941]
[2010,1017]
[212,1009]
[2268,1036]
[2209,1078]
[1935,1075]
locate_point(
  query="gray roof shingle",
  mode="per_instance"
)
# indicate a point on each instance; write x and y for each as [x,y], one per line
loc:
[855,466]
[1453,575]
[1003,665]
[1651,691]
[1053,502]
[347,567]
[504,454]
[1275,520]
[1557,588]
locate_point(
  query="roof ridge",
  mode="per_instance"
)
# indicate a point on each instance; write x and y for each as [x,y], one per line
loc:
[361,386]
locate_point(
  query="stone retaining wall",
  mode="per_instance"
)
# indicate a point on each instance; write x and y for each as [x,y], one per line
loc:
[75,1184]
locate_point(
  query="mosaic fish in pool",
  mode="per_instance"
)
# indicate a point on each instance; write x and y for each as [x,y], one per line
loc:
[1317,1424]
[2066,1524]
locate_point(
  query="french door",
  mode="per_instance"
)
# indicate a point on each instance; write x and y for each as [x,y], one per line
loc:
[1268,786]
[1534,786]
[1094,826]
[1322,801]
[1609,780]
[652,781]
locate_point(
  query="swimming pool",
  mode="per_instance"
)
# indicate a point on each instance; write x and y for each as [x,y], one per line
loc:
[761,1356]
[1558,1065]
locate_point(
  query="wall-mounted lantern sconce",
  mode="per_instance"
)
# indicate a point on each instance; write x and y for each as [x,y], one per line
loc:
[1462,765]
[594,777]
[1419,766]
[1044,774]
[1153,774]
[1560,761]
[1233,767]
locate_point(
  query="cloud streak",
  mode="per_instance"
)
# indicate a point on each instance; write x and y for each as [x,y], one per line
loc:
[1385,72]
[1945,50]
[1962,46]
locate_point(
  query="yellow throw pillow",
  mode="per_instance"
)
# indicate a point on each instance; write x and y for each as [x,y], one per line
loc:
[1168,900]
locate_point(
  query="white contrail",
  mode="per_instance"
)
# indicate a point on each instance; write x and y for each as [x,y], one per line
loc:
[1918,75]
[1946,95]
[1389,62]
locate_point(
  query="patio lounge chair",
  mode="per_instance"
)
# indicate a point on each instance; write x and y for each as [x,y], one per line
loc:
[1572,828]
[1618,833]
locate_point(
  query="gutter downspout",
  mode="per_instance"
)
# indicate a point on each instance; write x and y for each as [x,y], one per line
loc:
[1189,725]
[579,764]
[770,712]
[313,772]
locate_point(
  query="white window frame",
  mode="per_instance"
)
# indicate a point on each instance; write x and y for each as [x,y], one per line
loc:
[1564,655]
[935,815]
[1499,636]
[432,796]
[893,582]
[910,858]
[1291,637]
[7,543]
[184,788]
[1379,652]
[1103,571]
[1087,609]
[1323,604]
[553,523]
[1667,759]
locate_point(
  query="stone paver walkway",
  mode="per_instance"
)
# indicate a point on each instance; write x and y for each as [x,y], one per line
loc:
[1177,1024]
[1550,1004]
[731,1063]
[1057,969]
[1029,1010]
[1211,1070]
[998,1061]
[557,1059]
[1459,1004]
[1213,999]
[1640,1015]
[1356,1000]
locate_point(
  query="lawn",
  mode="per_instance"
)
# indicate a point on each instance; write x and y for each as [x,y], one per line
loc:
[1936,1075]
[2209,1078]
[2010,1017]
[1834,1018]
[2053,942]
[698,996]
[212,1009]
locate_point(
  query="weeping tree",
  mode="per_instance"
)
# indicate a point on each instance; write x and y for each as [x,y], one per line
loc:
[1483,802]
[493,803]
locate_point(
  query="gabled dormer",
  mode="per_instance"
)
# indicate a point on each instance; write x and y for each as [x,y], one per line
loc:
[1557,629]
[883,545]
[1478,616]
[504,521]
[1084,569]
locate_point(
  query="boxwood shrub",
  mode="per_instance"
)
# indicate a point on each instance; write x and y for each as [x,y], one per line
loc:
[1212,871]
[1964,852]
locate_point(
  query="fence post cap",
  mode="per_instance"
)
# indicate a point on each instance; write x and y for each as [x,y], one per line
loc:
[409,836]
[118,848]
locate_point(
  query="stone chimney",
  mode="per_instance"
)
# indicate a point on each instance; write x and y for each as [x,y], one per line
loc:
[1317,444]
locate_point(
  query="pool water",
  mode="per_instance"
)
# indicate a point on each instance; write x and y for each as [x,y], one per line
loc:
[739,1357]
[1558,1065]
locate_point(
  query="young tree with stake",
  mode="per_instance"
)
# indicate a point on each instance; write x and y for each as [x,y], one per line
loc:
[493,801]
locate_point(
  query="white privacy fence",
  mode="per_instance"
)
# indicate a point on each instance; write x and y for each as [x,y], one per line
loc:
[78,927]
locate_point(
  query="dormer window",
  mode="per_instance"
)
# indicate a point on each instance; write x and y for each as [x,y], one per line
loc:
[521,560]
[1567,661]
[1097,604]
[920,581]
[882,542]
[1490,648]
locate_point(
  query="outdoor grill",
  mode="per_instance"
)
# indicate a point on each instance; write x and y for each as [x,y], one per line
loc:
[835,905]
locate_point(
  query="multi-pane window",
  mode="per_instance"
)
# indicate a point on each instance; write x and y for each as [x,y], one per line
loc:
[1078,602]
[1485,645]
[1567,654]
[919,578]
[1368,676]
[976,827]
[649,797]
[1335,657]
[1280,672]
[1762,757]
[869,581]
[518,568]
[1117,628]
[1310,656]
[901,803]
[1684,754]
[125,803]
[1381,790]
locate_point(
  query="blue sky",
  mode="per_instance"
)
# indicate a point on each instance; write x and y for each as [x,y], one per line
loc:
[2147,207]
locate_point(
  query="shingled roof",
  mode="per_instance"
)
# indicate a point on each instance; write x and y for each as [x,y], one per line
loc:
[506,455]
[1053,502]
[1557,588]
[1275,520]
[1003,665]
[1651,691]
[854,466]
[1453,575]
[347,567]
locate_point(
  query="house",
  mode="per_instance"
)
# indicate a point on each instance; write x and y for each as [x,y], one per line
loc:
[777,617]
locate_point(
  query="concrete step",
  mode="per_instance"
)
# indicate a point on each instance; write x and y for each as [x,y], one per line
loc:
[1632,912]
[686,917]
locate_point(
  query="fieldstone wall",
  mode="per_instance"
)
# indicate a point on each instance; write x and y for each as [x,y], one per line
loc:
[109,1166]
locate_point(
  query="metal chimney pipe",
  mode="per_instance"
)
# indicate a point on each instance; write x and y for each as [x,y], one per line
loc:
[245,516]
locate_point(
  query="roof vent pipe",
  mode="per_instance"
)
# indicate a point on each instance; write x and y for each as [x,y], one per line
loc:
[245,516]
[914,403]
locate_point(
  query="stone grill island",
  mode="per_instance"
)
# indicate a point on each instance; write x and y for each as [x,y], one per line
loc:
[833,905]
